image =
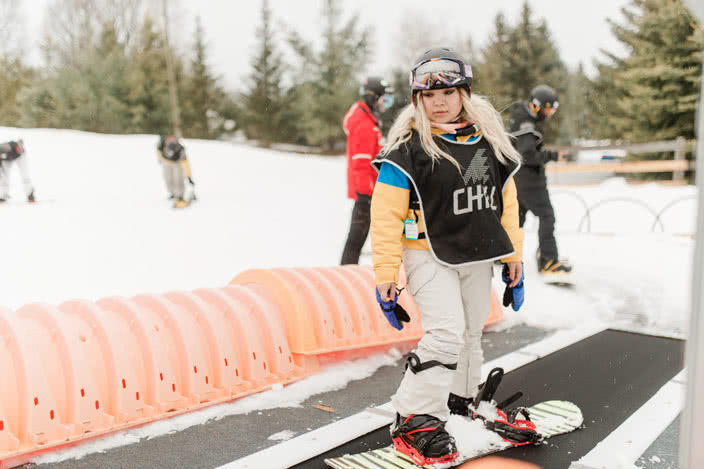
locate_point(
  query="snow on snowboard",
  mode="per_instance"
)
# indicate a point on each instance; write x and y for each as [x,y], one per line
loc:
[551,418]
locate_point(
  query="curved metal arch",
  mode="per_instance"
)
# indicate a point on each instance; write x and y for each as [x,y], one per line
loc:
[620,199]
[584,203]
[668,206]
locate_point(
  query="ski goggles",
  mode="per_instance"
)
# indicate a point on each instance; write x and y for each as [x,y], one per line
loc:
[439,73]
[549,107]
[388,100]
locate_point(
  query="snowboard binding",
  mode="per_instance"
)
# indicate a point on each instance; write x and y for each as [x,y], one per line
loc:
[423,438]
[514,430]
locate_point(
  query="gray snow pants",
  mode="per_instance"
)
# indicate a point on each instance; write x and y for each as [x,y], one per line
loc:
[174,178]
[5,167]
[454,303]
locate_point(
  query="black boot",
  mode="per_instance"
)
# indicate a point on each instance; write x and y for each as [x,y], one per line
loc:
[30,198]
[424,439]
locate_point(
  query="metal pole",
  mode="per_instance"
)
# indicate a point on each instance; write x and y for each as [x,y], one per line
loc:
[692,433]
[679,155]
[173,95]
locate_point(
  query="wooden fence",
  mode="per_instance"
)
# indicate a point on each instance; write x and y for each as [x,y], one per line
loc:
[678,165]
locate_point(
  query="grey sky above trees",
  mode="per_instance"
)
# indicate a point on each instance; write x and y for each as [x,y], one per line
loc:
[580,28]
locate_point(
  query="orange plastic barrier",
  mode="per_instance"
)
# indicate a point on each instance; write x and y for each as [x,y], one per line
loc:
[82,369]
[331,309]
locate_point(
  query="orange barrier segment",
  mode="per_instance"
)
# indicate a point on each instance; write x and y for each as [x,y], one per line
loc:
[330,309]
[333,309]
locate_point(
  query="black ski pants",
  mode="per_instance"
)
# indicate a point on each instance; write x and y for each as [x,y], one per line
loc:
[533,197]
[359,229]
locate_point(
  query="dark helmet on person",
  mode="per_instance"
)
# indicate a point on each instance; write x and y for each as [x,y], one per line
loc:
[544,97]
[440,68]
[376,86]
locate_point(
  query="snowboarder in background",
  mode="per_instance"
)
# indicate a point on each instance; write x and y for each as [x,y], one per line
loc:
[526,126]
[445,204]
[13,153]
[172,156]
[364,140]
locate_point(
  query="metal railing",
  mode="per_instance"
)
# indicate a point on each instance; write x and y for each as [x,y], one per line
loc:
[585,222]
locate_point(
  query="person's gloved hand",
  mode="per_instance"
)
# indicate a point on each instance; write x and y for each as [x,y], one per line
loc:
[393,311]
[515,295]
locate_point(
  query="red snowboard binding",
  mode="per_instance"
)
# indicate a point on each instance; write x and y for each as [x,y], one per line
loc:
[423,438]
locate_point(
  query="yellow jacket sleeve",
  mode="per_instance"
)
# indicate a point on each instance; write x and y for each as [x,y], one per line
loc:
[389,207]
[509,220]
[186,167]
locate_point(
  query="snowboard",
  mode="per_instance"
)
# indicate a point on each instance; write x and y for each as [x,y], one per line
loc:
[558,280]
[551,418]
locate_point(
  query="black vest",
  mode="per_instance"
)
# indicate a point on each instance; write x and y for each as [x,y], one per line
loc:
[461,210]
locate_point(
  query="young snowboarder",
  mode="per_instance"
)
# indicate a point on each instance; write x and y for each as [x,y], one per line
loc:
[444,203]
[361,124]
[526,126]
[13,153]
[176,169]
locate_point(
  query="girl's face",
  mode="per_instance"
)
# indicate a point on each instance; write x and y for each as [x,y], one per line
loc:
[442,106]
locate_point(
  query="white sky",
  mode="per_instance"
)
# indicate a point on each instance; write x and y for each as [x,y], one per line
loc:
[579,28]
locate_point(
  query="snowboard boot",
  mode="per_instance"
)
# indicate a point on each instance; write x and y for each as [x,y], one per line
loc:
[554,267]
[180,203]
[423,438]
[3,200]
[30,198]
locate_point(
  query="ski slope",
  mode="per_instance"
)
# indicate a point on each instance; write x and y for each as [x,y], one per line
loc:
[104,227]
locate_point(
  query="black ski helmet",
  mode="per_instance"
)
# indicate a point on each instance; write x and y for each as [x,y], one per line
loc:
[375,85]
[461,75]
[544,97]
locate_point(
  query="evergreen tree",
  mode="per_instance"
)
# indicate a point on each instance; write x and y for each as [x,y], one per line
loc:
[652,93]
[264,104]
[14,76]
[516,59]
[147,82]
[328,81]
[86,95]
[488,71]
[577,119]
[202,95]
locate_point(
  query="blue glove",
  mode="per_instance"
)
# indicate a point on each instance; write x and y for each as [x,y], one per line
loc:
[513,296]
[393,311]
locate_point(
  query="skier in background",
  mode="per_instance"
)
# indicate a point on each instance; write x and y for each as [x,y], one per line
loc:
[444,204]
[364,140]
[13,153]
[526,126]
[176,169]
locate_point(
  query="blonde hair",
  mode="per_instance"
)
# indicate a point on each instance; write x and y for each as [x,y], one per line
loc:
[475,109]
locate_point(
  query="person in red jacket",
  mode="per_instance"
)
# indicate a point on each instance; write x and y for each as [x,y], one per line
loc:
[364,140]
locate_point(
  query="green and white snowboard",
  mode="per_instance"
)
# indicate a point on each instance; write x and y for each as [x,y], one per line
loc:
[550,417]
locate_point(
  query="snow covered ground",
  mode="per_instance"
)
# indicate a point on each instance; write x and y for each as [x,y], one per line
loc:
[103,227]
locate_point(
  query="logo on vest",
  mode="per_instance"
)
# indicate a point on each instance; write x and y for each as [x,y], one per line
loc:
[477,195]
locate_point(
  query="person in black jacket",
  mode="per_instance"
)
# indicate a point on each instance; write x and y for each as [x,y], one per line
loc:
[526,126]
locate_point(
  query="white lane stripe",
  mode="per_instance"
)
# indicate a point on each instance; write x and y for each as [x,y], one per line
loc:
[630,440]
[306,446]
[303,447]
